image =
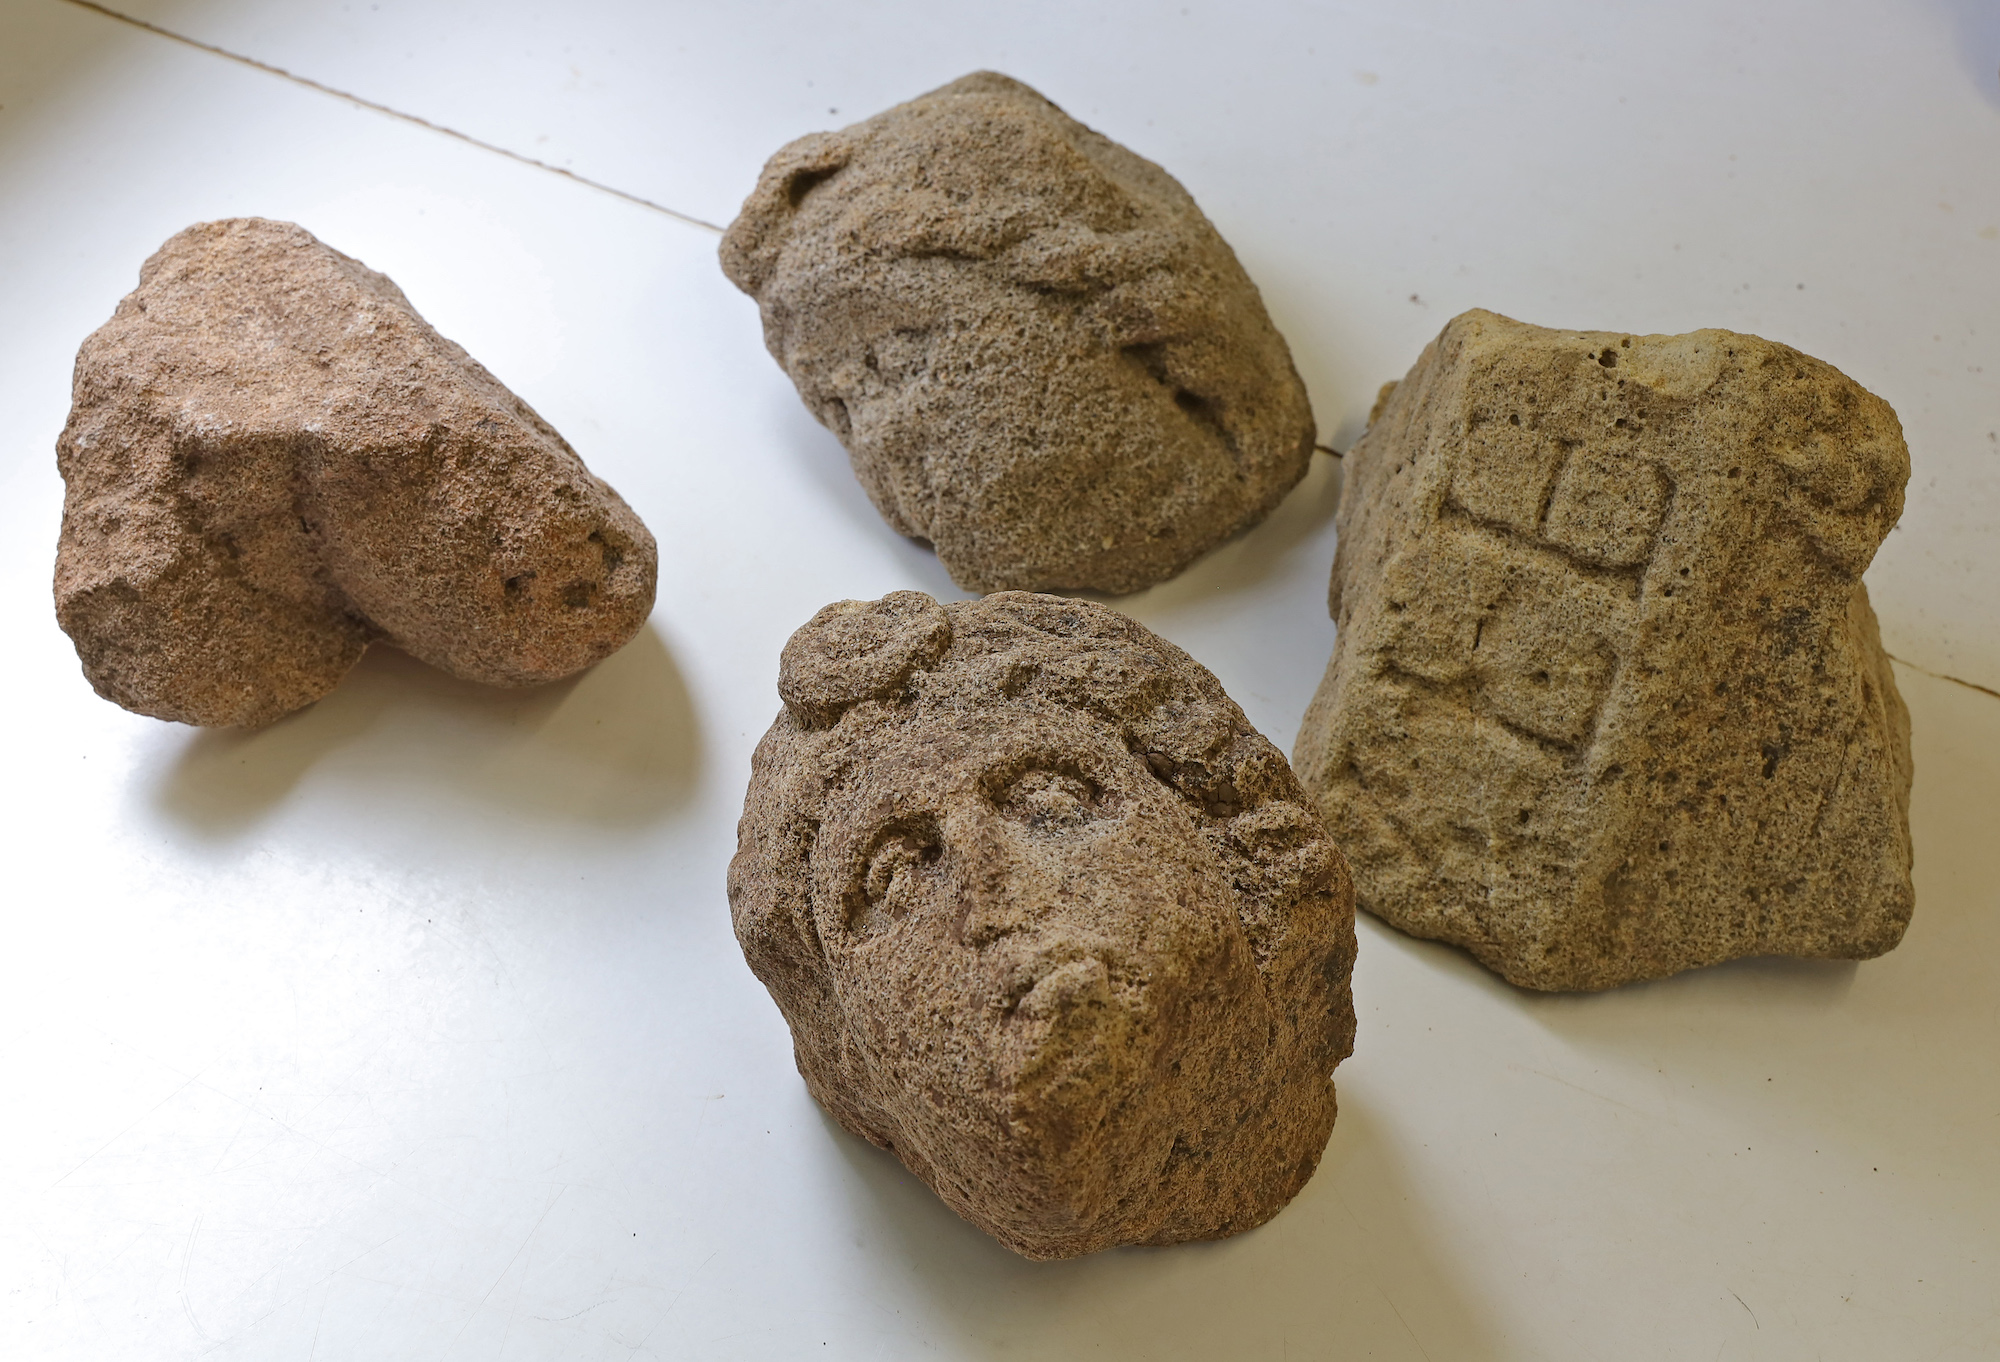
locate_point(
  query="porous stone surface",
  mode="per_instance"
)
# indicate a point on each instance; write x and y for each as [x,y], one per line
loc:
[1607,700]
[1042,358]
[272,460]
[1048,919]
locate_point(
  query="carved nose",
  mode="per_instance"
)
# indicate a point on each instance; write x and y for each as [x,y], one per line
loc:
[997,893]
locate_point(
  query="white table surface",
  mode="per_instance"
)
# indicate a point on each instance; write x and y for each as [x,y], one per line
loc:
[412,1026]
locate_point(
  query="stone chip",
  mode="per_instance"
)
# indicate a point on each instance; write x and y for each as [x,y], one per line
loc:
[1042,358]
[271,460]
[1047,918]
[1607,699]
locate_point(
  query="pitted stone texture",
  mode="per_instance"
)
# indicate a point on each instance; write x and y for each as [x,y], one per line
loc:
[271,460]
[1048,919]
[1607,700]
[1040,355]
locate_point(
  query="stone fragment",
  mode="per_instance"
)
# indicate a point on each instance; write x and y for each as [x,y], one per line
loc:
[272,460]
[1607,700]
[1048,919]
[1042,358]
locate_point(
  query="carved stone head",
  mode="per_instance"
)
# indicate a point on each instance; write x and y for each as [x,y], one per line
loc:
[1042,358]
[1048,919]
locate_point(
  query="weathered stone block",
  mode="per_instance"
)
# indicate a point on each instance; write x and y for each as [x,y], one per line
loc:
[1607,700]
[271,460]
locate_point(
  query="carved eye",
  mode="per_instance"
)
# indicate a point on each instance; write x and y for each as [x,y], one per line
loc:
[1049,801]
[902,857]
[1283,845]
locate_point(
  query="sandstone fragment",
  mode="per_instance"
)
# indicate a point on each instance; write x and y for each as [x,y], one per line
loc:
[272,460]
[1042,358]
[1047,918]
[1607,700]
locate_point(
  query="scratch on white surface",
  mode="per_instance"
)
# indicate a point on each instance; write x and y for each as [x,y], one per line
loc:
[683,1288]
[1752,1313]
[644,1339]
[122,1134]
[248,1112]
[574,1314]
[1406,1327]
[313,1285]
[395,113]
[667,1313]
[519,1249]
[286,1126]
[1940,676]
[187,1259]
[253,1108]
[1341,1197]
[313,1352]
[1588,1092]
[1959,1337]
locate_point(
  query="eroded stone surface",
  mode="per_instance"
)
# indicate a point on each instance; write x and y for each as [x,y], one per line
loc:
[271,459]
[1040,355]
[1607,700]
[1048,918]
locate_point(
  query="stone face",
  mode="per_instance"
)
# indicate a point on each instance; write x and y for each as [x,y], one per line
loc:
[1048,919]
[271,460]
[1607,700]
[1040,355]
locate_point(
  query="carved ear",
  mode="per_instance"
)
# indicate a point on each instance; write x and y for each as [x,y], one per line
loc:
[859,650]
